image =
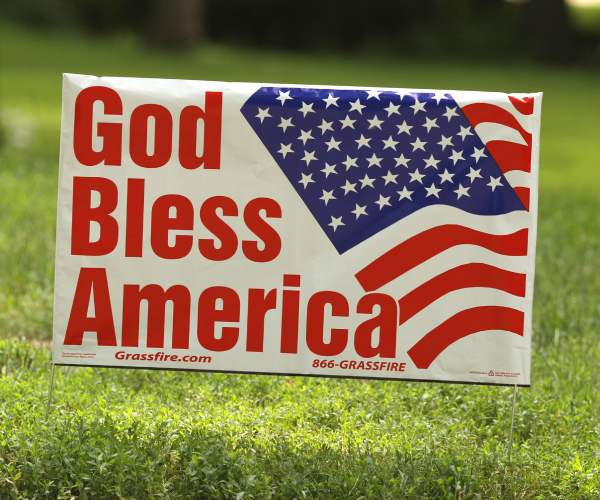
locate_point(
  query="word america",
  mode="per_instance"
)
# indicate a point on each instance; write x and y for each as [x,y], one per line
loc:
[220,304]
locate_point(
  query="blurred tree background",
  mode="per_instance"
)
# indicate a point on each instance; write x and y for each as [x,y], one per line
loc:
[547,30]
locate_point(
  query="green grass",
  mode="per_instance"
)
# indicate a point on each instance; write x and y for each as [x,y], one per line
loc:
[144,434]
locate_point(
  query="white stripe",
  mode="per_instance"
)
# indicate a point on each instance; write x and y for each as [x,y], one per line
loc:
[447,306]
[489,131]
[518,178]
[449,259]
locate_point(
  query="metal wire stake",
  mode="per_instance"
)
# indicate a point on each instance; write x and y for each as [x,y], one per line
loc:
[512,422]
[50,392]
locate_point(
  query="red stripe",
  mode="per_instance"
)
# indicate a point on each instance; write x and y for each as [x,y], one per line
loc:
[524,105]
[428,244]
[466,276]
[510,155]
[482,113]
[462,324]
[523,193]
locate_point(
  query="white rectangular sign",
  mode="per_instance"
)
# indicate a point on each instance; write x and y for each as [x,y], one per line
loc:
[302,230]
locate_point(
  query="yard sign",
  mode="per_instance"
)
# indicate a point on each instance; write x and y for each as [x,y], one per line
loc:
[301,230]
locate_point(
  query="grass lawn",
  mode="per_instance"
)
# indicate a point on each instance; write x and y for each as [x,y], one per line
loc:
[146,434]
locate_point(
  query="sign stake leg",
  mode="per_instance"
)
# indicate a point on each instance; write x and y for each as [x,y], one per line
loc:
[512,421]
[50,392]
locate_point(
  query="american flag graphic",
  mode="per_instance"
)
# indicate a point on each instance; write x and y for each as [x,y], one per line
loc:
[362,160]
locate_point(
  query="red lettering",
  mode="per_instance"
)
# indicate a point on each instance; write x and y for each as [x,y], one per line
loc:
[84,214]
[188,133]
[261,229]
[386,321]
[162,223]
[134,229]
[393,367]
[102,323]
[258,305]
[157,299]
[212,222]
[352,365]
[208,315]
[290,313]
[163,136]
[315,319]
[84,124]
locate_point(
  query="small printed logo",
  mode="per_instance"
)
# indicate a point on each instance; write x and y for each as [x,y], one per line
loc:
[491,374]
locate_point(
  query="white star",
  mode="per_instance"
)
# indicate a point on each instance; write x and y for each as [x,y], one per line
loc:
[418,106]
[464,132]
[286,123]
[308,157]
[455,156]
[333,144]
[479,153]
[391,109]
[325,126]
[404,128]
[327,195]
[363,141]
[329,169]
[446,141]
[347,122]
[431,162]
[405,193]
[438,96]
[348,187]
[350,162]
[402,94]
[382,202]
[374,161]
[494,183]
[450,112]
[305,136]
[402,161]
[306,108]
[430,123]
[356,106]
[446,176]
[284,96]
[390,143]
[359,211]
[375,122]
[335,222]
[418,144]
[306,179]
[473,174]
[331,100]
[262,114]
[285,149]
[432,191]
[462,191]
[389,177]
[416,176]
[373,93]
[366,182]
